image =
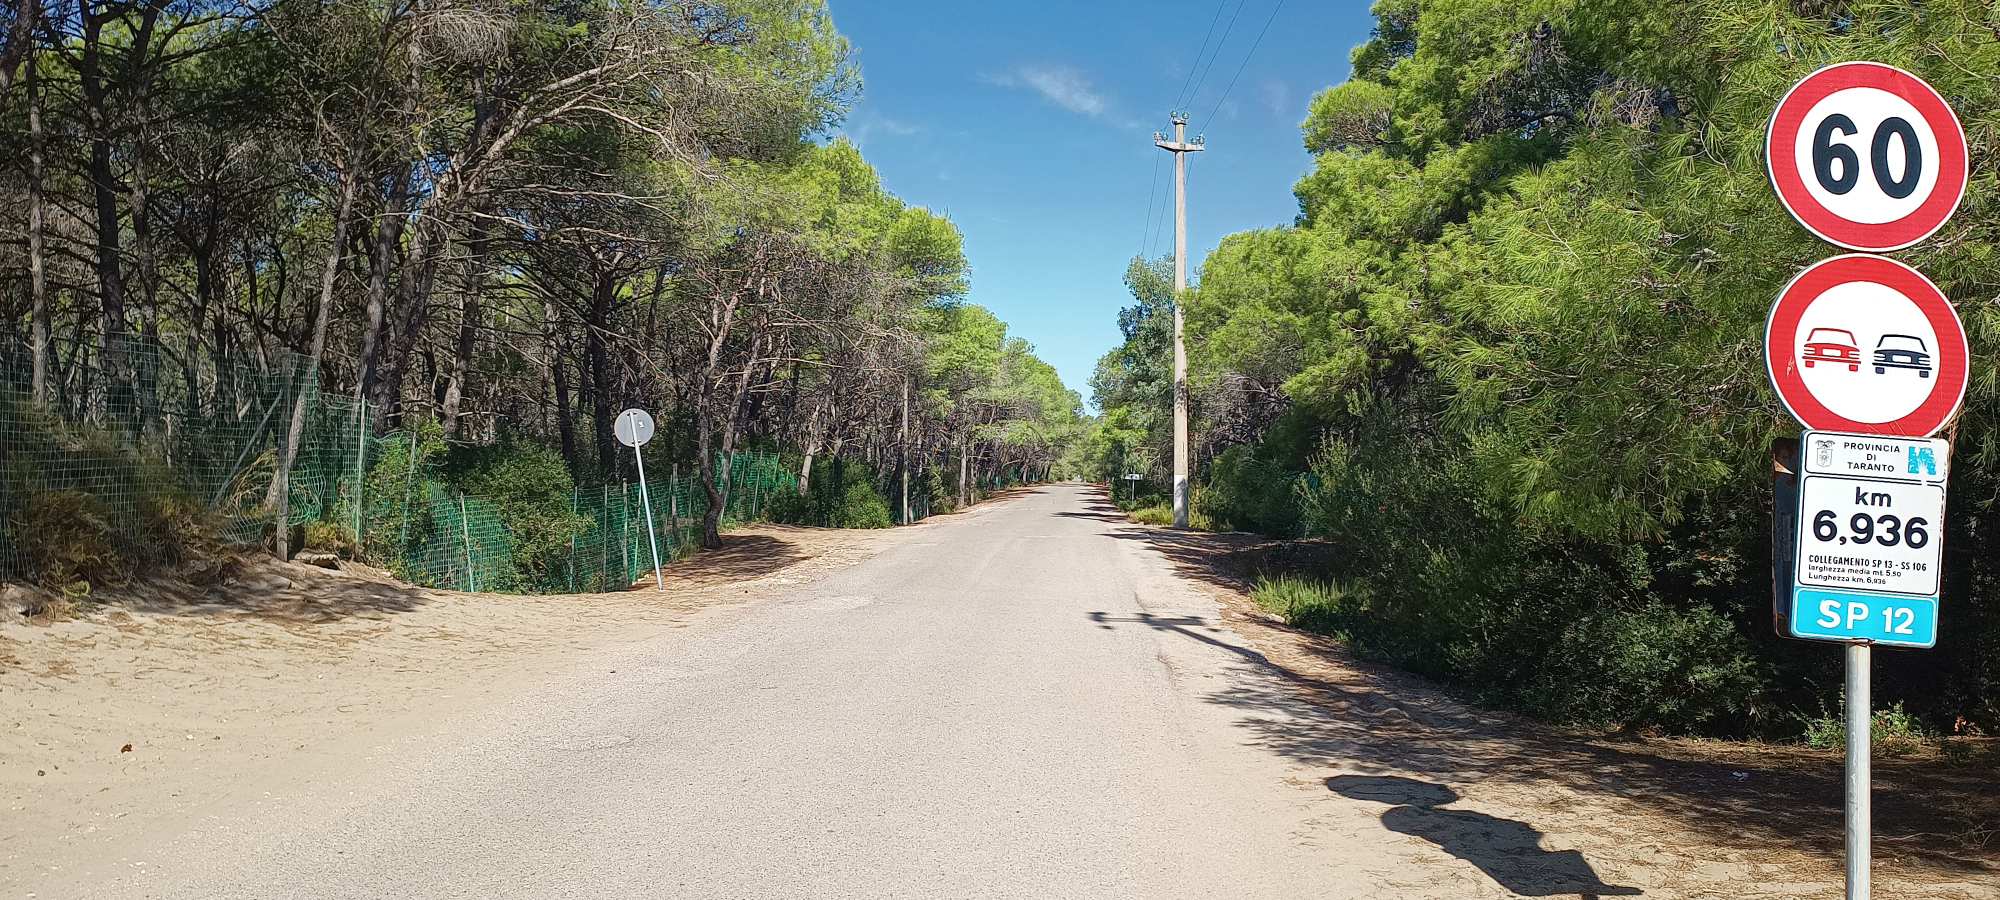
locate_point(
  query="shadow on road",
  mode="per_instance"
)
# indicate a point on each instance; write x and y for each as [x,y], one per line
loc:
[1115,515]
[1509,852]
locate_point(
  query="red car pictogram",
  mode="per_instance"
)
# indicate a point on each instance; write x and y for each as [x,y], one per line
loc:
[1832,345]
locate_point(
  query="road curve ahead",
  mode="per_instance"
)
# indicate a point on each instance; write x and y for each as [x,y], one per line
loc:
[1019,701]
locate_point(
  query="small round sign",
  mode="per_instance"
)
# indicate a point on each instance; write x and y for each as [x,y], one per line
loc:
[1866,345]
[634,427]
[1867,156]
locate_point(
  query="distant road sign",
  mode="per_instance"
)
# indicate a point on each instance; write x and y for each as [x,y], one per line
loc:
[1866,345]
[634,427]
[1134,476]
[1867,156]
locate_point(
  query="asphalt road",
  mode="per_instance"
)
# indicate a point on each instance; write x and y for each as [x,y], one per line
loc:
[1022,701]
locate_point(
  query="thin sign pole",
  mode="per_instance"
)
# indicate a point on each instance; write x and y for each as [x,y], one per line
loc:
[1858,811]
[646,503]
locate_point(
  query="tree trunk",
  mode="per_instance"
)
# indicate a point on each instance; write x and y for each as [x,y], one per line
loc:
[812,442]
[280,496]
[964,467]
[40,324]
[718,487]
[559,372]
[388,236]
[468,332]
[600,369]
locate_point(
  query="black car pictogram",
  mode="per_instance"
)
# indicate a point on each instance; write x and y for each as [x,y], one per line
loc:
[1902,351]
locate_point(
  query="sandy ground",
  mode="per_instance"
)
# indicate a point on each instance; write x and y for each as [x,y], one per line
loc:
[1713,818]
[159,702]
[1035,698]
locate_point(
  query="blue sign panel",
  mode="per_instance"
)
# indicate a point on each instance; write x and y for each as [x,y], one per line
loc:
[1880,618]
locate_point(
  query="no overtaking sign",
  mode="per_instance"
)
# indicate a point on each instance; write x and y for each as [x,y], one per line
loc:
[1865,344]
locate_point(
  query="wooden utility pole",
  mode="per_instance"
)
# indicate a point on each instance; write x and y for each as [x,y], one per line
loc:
[1180,147]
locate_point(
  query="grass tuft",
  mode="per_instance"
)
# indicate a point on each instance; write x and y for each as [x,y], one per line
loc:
[1306,604]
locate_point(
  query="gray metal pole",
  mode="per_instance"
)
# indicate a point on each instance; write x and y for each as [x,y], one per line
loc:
[1859,712]
[646,502]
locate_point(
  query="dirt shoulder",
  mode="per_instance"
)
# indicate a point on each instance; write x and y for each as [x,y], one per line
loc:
[1695,817]
[159,700]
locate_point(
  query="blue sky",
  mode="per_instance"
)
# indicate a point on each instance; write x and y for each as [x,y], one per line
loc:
[1031,126]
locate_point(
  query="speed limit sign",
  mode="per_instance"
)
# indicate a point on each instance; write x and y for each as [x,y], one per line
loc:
[1867,156]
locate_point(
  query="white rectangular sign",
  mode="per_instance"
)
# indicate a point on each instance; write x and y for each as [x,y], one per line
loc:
[1870,456]
[1871,535]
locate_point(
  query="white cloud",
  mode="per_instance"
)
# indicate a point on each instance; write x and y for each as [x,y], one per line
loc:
[861,128]
[1277,98]
[1061,85]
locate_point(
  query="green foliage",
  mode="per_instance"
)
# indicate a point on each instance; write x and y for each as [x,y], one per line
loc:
[330,537]
[1522,304]
[103,516]
[1304,603]
[1891,731]
[842,494]
[531,491]
[1159,514]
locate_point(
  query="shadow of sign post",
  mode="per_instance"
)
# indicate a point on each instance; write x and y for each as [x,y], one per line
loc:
[1509,852]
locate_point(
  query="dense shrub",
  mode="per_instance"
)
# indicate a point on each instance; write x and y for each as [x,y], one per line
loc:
[531,490]
[842,494]
[63,540]
[105,515]
[1254,487]
[1452,585]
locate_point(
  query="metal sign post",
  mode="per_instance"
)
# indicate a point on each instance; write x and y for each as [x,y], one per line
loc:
[1869,354]
[634,429]
[1858,814]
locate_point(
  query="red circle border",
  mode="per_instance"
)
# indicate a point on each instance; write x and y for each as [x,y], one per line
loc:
[1781,142]
[1782,328]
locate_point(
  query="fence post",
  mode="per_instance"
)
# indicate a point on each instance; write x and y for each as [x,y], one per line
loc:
[409,482]
[465,527]
[674,506]
[572,539]
[360,463]
[604,540]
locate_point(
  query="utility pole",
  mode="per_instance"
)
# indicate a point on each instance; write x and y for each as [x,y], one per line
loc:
[903,452]
[1180,147]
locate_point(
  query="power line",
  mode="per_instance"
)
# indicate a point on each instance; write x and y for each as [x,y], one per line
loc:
[1152,194]
[1184,96]
[1246,60]
[1212,57]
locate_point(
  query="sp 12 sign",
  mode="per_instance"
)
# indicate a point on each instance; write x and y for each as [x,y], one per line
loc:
[1870,539]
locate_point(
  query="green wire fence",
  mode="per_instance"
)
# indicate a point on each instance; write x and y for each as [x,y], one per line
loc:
[133,445]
